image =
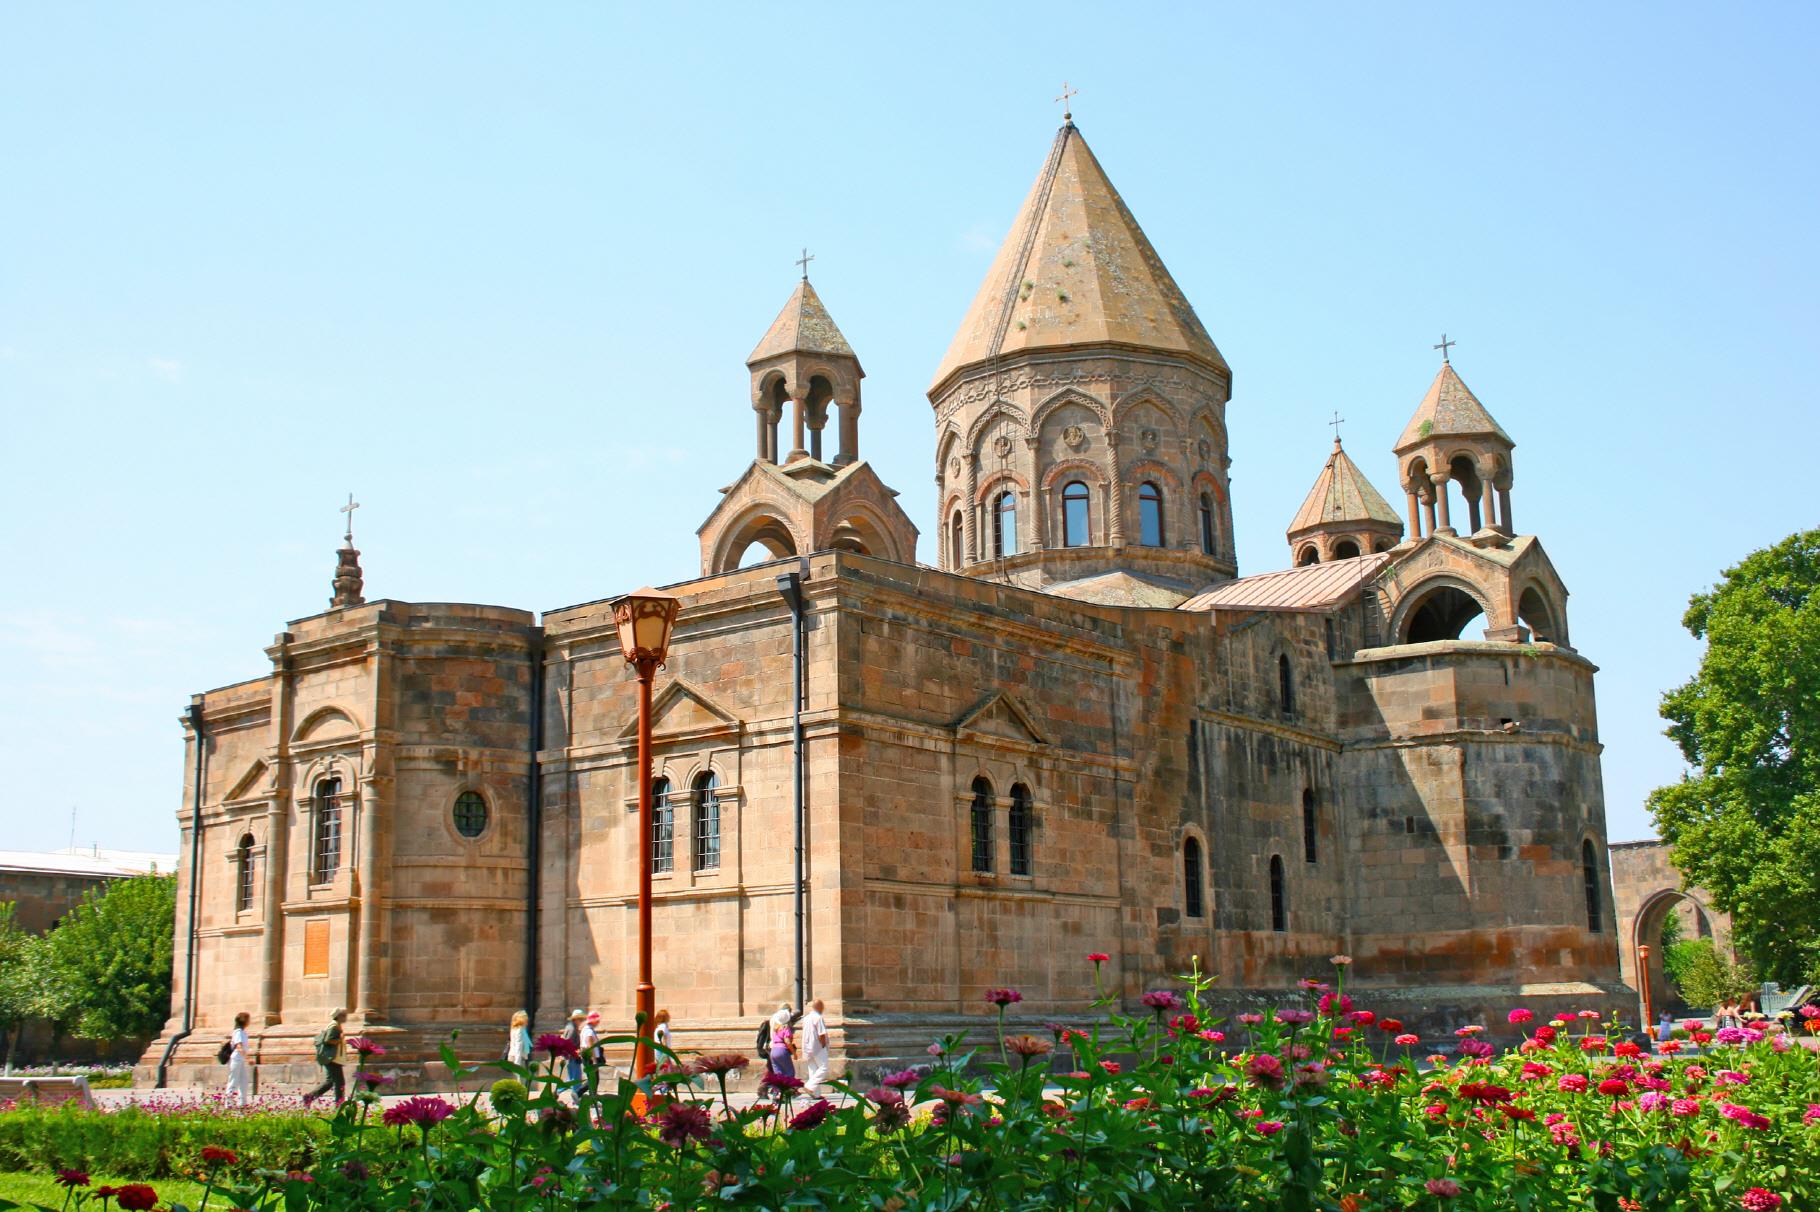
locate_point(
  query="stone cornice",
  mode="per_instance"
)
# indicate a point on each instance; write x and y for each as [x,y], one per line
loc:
[1287,732]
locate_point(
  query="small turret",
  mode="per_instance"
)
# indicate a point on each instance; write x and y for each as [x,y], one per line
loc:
[1343,517]
[805,361]
[348,581]
[1452,438]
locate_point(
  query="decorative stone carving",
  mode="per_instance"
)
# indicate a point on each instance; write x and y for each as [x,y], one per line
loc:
[1148,439]
[1001,446]
[1075,437]
[1204,448]
[954,468]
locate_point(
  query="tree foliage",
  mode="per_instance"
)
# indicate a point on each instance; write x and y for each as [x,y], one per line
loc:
[1706,977]
[107,971]
[15,989]
[1745,821]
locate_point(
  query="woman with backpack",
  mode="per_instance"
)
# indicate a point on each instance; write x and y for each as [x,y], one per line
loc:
[779,1058]
[240,1069]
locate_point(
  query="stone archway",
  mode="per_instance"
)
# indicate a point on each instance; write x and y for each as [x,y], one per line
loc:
[1645,885]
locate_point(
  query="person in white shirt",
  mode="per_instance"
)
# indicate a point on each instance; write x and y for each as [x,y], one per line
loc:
[815,1046]
[240,1068]
[590,1051]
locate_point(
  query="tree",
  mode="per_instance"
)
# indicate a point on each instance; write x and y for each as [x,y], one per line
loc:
[1744,822]
[1671,929]
[15,987]
[1706,977]
[113,952]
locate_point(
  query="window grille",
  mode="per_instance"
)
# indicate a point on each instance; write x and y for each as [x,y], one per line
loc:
[1004,525]
[325,845]
[243,876]
[470,814]
[981,820]
[663,831]
[1021,826]
[707,822]
[1191,878]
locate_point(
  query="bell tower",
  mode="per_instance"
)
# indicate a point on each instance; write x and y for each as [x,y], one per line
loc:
[1450,440]
[801,368]
[1081,409]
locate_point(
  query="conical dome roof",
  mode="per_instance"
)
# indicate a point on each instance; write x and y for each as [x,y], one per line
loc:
[1342,494]
[803,326]
[1449,410]
[1076,270]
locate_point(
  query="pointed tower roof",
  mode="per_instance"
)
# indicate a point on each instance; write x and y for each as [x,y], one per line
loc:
[1341,493]
[803,326]
[1076,269]
[1449,410]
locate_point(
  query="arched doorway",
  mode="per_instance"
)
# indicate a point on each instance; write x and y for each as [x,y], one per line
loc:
[1650,928]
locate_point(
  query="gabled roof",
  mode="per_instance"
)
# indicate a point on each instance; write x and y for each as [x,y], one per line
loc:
[803,326]
[1449,410]
[1076,269]
[1311,587]
[1341,493]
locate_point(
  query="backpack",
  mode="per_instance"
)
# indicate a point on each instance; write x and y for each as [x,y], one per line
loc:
[224,1053]
[764,1038]
[325,1045]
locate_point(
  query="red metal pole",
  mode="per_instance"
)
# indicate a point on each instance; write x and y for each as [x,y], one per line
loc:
[646,1000]
[1649,1025]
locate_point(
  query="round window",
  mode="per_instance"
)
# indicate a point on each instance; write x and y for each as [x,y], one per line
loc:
[470,814]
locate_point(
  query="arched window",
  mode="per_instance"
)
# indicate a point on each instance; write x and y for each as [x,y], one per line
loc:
[1589,875]
[957,534]
[1309,826]
[243,875]
[1346,549]
[1285,685]
[1308,555]
[325,836]
[980,819]
[1206,513]
[1333,642]
[1279,897]
[707,821]
[1150,514]
[1004,525]
[1191,878]
[663,827]
[1076,531]
[1021,823]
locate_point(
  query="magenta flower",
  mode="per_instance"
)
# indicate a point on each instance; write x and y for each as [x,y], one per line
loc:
[900,1080]
[1758,1199]
[1520,1016]
[1003,997]
[812,1115]
[1572,1083]
[1098,957]
[1744,1116]
[1445,1188]
[679,1123]
[1161,1000]
[1269,1127]
[424,1111]
[1295,1018]
[364,1046]
[558,1046]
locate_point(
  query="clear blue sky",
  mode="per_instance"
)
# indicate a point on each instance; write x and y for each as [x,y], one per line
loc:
[495,269]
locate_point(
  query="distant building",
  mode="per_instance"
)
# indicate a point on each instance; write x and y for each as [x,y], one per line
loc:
[47,885]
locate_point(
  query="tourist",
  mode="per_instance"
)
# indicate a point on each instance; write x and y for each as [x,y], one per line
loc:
[591,1050]
[815,1046]
[572,1032]
[518,1039]
[331,1055]
[240,1069]
[782,1038]
[1666,1028]
[660,1034]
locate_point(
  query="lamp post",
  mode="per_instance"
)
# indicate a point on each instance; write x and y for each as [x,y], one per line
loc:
[1649,1022]
[644,620]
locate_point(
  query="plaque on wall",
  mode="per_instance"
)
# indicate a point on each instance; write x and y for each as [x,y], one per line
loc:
[316,947]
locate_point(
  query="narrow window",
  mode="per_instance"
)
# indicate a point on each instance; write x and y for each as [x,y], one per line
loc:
[707,821]
[1589,874]
[981,820]
[1309,851]
[1191,878]
[243,875]
[1150,514]
[1206,524]
[1279,905]
[470,814]
[1333,641]
[1285,685]
[663,827]
[956,535]
[1004,525]
[1075,515]
[1021,822]
[325,842]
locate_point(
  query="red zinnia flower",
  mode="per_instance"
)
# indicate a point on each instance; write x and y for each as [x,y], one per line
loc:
[424,1110]
[72,1178]
[1446,1188]
[1098,957]
[216,1155]
[136,1197]
[557,1045]
[1614,1087]
[1003,997]
[1758,1199]
[720,1062]
[680,1122]
[1390,1025]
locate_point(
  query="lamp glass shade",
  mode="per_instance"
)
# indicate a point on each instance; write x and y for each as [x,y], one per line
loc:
[644,620]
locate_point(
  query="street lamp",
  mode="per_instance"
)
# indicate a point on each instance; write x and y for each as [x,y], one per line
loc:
[1649,1026]
[644,619]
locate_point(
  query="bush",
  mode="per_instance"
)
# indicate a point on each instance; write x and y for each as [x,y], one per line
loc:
[1706,977]
[156,1141]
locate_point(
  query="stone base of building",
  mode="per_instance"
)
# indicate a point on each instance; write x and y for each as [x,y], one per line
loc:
[867,1047]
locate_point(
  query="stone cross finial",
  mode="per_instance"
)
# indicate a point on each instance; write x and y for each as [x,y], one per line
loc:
[804,262]
[349,509]
[1067,95]
[1444,346]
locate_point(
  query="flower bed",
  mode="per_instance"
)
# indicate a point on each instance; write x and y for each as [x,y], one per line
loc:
[1317,1104]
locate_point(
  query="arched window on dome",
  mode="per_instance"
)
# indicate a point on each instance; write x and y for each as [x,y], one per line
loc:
[1589,876]
[1004,525]
[957,535]
[1206,519]
[1076,515]
[1346,549]
[1308,555]
[1150,514]
[1192,903]
[980,823]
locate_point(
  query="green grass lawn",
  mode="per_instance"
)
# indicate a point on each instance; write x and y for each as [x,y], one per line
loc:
[35,1189]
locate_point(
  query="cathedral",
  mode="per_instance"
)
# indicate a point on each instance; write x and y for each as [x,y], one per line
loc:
[1075,729]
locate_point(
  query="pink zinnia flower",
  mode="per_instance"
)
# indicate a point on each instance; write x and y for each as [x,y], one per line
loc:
[1745,1117]
[812,1115]
[1520,1015]
[1161,999]
[1098,957]
[1003,997]
[1445,1188]
[1408,1041]
[1685,1107]
[680,1122]
[1613,1087]
[1295,1018]
[424,1110]
[1572,1083]
[1265,1070]
[558,1046]
[1757,1199]
[1269,1127]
